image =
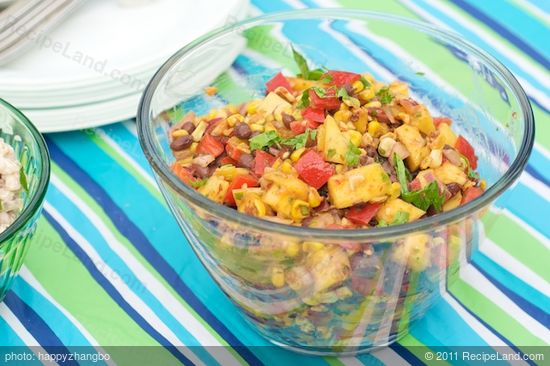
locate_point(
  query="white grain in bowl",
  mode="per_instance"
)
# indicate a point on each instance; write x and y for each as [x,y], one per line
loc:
[10,186]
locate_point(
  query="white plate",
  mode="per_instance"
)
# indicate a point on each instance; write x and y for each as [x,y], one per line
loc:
[104,50]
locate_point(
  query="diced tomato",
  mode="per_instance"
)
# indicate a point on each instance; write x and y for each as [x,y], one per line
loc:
[440,120]
[361,215]
[298,127]
[238,182]
[262,161]
[330,101]
[313,169]
[212,124]
[342,78]
[471,194]
[182,173]
[277,81]
[209,145]
[233,151]
[314,115]
[464,147]
[226,160]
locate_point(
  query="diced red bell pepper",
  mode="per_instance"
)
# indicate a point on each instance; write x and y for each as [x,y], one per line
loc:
[212,124]
[226,160]
[209,145]
[440,120]
[313,169]
[315,115]
[277,81]
[238,182]
[330,101]
[342,78]
[298,127]
[233,151]
[464,147]
[262,161]
[471,194]
[361,215]
[182,173]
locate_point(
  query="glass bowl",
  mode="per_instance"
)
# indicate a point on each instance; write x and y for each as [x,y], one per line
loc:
[31,151]
[327,291]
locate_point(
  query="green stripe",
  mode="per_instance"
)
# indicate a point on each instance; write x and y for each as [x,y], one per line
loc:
[50,260]
[98,210]
[123,162]
[262,41]
[493,315]
[532,253]
[419,350]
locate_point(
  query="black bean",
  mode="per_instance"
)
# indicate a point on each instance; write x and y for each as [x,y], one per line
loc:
[242,131]
[201,171]
[371,151]
[222,139]
[189,127]
[181,143]
[287,118]
[246,161]
[366,160]
[453,188]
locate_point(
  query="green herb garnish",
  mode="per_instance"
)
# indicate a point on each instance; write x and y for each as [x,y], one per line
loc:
[401,173]
[343,93]
[238,195]
[401,217]
[316,74]
[264,140]
[331,152]
[327,79]
[420,73]
[365,81]
[199,182]
[304,100]
[352,155]
[299,141]
[321,93]
[23,180]
[384,95]
[301,62]
[472,174]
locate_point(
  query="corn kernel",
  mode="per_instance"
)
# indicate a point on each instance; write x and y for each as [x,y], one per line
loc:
[299,210]
[252,107]
[366,95]
[256,127]
[358,86]
[277,277]
[374,104]
[297,154]
[269,126]
[395,190]
[377,129]
[210,90]
[277,164]
[199,131]
[342,115]
[234,119]
[314,198]
[179,133]
[193,147]
[287,167]
[292,249]
[312,246]
[260,207]
[483,184]
[354,137]
[232,109]
[343,107]
[339,168]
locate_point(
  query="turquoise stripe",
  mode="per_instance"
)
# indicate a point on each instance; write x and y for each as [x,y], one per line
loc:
[472,37]
[520,23]
[63,327]
[539,161]
[9,337]
[541,4]
[68,209]
[161,229]
[511,282]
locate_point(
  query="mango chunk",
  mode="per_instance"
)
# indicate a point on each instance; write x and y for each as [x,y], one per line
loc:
[450,173]
[414,142]
[335,144]
[389,210]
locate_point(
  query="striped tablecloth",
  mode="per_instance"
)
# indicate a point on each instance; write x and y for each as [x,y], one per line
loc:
[107,266]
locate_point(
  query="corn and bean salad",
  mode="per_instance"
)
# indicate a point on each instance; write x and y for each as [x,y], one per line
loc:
[327,149]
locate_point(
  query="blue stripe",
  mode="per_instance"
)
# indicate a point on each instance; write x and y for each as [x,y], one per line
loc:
[406,354]
[37,326]
[69,334]
[504,32]
[535,312]
[110,289]
[128,228]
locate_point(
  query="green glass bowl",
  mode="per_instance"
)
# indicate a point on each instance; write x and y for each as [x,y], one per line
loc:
[30,149]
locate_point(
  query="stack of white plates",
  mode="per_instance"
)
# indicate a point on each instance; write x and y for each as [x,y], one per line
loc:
[92,69]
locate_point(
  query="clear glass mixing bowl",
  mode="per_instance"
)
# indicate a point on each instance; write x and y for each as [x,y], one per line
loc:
[345,291]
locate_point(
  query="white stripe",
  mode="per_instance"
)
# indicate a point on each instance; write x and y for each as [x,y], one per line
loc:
[519,59]
[540,96]
[481,284]
[296,4]
[534,10]
[137,303]
[514,266]
[23,333]
[170,302]
[390,357]
[144,174]
[542,150]
[131,127]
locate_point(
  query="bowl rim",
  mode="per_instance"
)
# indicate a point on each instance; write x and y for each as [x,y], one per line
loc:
[36,200]
[508,178]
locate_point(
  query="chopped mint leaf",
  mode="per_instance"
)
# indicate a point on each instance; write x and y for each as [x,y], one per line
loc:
[199,182]
[331,152]
[401,173]
[365,81]
[327,79]
[238,195]
[316,74]
[264,140]
[352,155]
[301,62]
[319,91]
[421,73]
[472,174]
[299,141]
[401,217]
[304,100]
[426,197]
[23,180]
[343,93]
